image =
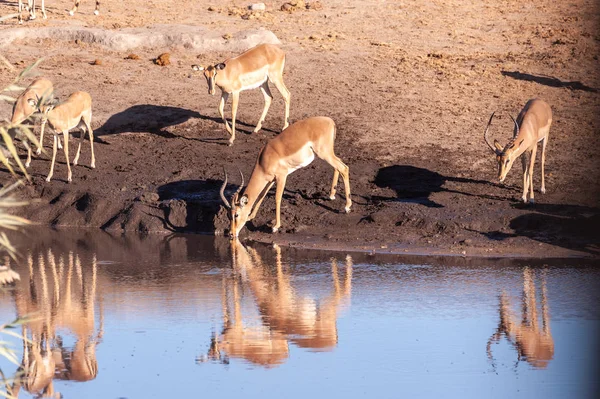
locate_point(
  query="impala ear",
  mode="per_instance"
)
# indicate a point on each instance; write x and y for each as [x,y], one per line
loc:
[220,66]
[497,145]
[197,67]
[244,200]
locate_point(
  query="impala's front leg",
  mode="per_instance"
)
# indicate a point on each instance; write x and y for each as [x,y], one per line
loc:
[66,149]
[49,177]
[41,143]
[224,97]
[531,163]
[261,197]
[525,162]
[234,104]
[28,148]
[278,196]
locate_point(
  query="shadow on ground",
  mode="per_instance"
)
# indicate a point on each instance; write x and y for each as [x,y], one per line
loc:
[415,185]
[147,118]
[548,81]
[569,226]
[190,205]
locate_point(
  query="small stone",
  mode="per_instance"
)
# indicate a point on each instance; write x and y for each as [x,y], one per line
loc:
[257,7]
[163,60]
[227,36]
[96,62]
[132,56]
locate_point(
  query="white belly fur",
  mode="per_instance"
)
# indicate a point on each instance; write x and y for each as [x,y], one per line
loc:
[303,164]
[255,85]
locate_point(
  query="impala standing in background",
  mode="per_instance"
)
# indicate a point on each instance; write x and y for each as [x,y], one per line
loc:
[531,127]
[31,8]
[293,149]
[76,111]
[254,68]
[26,105]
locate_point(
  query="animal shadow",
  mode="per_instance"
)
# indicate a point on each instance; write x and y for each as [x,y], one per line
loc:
[569,226]
[190,205]
[147,118]
[549,81]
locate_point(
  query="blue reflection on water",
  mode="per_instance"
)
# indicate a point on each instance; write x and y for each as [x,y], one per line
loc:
[390,326]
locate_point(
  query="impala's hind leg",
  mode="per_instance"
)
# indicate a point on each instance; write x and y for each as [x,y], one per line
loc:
[87,119]
[268,98]
[277,78]
[544,143]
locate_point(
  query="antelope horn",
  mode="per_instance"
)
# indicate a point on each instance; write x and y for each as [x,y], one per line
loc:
[516,125]
[242,185]
[223,191]
[485,137]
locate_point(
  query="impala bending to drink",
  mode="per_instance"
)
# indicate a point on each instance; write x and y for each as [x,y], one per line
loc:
[531,127]
[25,106]
[293,149]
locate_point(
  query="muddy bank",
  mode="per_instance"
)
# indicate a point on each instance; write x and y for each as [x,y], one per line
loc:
[410,87]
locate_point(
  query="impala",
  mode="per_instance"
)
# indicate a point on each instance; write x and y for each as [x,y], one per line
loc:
[26,105]
[533,344]
[76,5]
[250,70]
[293,149]
[31,8]
[75,112]
[531,127]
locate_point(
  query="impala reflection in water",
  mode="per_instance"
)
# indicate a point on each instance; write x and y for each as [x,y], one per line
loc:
[124,317]
[286,315]
[532,343]
[57,294]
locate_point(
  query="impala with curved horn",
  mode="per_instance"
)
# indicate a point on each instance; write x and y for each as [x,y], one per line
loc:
[252,69]
[293,149]
[531,127]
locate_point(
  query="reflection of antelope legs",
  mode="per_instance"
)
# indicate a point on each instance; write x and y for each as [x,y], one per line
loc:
[533,344]
[307,323]
[285,315]
[256,344]
[77,313]
[38,364]
[60,294]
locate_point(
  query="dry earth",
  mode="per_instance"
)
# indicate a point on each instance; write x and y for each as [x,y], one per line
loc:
[410,85]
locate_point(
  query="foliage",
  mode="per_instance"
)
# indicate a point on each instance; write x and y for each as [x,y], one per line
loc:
[21,131]
[8,221]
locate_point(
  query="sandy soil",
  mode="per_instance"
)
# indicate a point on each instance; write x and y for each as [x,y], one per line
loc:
[410,85]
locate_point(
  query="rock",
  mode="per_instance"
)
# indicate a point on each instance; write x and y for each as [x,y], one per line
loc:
[96,62]
[314,5]
[149,197]
[132,56]
[163,60]
[257,7]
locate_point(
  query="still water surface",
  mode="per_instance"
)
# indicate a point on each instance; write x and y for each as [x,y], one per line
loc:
[189,316]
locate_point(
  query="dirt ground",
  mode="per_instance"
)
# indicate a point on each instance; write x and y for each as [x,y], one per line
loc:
[410,85]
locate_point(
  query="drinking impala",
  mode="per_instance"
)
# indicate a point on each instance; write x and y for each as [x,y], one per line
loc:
[293,149]
[531,127]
